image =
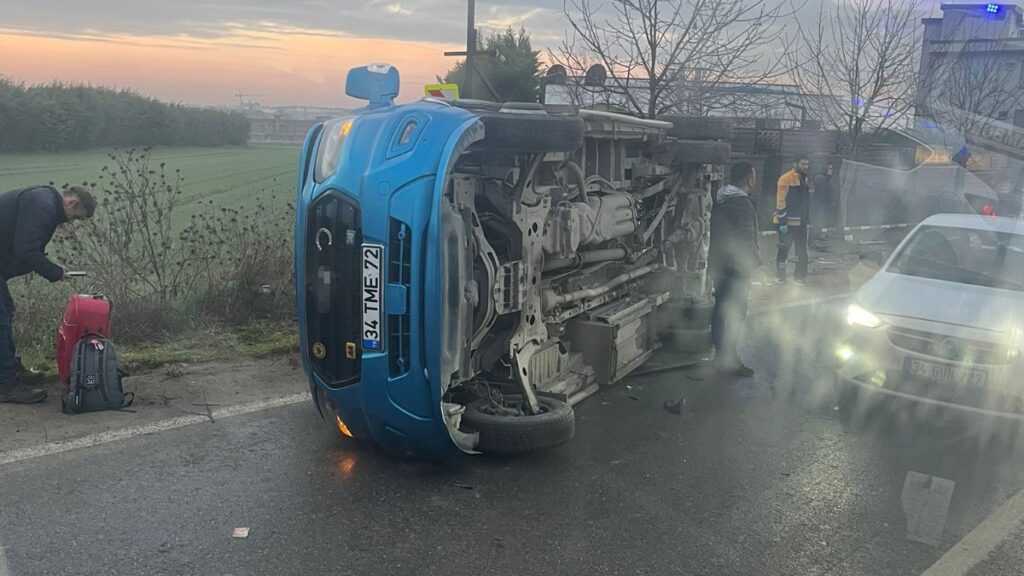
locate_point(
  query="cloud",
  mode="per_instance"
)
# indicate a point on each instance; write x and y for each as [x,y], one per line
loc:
[415,20]
[502,18]
[397,9]
[286,65]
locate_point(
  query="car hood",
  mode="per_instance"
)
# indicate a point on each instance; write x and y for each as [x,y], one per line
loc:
[940,301]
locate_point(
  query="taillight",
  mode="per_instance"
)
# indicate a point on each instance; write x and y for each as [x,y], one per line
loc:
[988,210]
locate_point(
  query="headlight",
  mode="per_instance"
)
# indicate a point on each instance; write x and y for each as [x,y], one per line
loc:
[331,142]
[844,353]
[858,316]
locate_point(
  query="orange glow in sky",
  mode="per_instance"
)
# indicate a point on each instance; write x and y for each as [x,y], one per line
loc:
[279,65]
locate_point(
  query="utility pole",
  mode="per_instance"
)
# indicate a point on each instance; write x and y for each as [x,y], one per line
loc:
[471,52]
[470,45]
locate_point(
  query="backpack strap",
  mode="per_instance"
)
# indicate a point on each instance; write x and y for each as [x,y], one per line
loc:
[102,368]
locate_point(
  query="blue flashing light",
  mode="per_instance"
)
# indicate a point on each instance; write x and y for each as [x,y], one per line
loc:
[993,8]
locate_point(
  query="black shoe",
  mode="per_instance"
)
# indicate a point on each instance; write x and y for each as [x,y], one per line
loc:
[781,280]
[27,376]
[16,393]
[736,370]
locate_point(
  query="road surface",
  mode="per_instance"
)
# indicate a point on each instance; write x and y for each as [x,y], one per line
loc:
[753,477]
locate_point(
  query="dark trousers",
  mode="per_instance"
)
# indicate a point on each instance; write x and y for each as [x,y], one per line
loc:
[7,351]
[795,235]
[731,301]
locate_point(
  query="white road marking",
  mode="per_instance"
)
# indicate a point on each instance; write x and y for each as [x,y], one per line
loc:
[162,426]
[980,542]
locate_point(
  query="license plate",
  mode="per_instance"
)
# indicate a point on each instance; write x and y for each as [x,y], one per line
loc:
[946,373]
[371,296]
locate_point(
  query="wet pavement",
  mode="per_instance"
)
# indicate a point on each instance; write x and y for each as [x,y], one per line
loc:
[753,476]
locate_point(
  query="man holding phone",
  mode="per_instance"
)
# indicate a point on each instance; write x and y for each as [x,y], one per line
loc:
[28,219]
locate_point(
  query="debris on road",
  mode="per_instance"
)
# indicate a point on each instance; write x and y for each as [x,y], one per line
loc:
[240,532]
[674,407]
[462,485]
[926,503]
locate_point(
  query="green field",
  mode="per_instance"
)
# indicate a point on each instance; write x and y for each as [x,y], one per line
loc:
[236,177]
[229,176]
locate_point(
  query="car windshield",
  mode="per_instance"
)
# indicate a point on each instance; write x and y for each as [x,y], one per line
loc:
[964,255]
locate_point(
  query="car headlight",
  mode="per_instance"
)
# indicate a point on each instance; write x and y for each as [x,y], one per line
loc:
[856,315]
[329,155]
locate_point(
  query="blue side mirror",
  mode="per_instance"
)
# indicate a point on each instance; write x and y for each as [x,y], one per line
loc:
[377,83]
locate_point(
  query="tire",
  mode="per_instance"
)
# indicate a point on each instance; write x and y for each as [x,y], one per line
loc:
[507,434]
[699,127]
[687,340]
[531,132]
[700,152]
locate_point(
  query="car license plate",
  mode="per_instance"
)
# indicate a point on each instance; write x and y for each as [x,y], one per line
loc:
[947,373]
[371,296]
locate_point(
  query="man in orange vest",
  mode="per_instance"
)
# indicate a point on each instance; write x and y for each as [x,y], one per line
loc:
[792,216]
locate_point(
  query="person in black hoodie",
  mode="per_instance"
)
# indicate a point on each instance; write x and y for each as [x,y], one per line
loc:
[733,260]
[28,219]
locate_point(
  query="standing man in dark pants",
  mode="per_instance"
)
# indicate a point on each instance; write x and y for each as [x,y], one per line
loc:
[792,215]
[826,198]
[28,219]
[733,260]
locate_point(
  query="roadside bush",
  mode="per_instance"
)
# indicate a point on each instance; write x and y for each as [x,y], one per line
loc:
[253,268]
[133,245]
[60,116]
[165,271]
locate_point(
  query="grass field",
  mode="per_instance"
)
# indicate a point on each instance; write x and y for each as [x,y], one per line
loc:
[229,176]
[236,177]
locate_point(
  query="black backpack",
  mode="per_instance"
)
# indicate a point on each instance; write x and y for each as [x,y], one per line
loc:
[95,378]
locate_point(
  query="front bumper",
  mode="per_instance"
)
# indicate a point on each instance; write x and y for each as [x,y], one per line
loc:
[371,416]
[873,366]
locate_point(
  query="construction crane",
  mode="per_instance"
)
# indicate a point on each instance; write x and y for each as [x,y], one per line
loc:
[241,97]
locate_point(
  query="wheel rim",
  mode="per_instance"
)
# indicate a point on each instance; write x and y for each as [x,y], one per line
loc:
[511,409]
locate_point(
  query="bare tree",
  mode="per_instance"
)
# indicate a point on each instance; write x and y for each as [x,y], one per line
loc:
[967,86]
[859,61]
[664,56]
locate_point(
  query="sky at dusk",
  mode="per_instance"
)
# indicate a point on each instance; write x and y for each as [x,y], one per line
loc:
[206,51]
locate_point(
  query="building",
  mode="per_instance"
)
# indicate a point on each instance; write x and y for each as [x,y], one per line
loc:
[285,125]
[971,88]
[972,66]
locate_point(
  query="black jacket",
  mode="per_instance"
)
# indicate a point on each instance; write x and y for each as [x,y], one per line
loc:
[734,251]
[28,219]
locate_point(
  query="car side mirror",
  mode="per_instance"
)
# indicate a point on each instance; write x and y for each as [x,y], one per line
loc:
[873,259]
[377,83]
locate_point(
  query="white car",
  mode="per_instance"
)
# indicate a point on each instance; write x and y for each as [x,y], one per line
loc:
[941,322]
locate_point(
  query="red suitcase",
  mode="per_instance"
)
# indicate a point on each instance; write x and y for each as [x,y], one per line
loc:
[85,314]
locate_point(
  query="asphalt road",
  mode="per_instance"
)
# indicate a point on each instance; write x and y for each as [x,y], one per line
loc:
[753,477]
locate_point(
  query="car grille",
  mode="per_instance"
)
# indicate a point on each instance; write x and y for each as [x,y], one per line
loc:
[951,349]
[399,272]
[332,288]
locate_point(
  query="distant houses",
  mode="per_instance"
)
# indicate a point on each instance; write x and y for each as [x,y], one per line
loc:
[285,124]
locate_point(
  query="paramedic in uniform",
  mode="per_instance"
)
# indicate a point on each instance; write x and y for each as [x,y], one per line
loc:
[792,216]
[28,219]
